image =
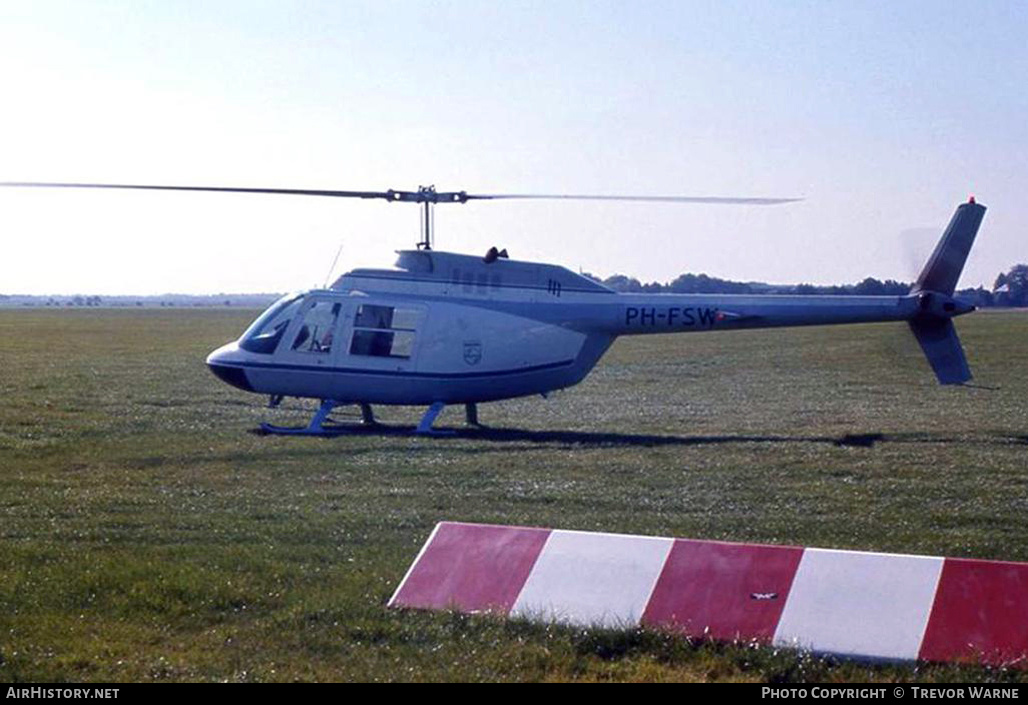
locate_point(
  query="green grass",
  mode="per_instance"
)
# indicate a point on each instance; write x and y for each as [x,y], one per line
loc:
[146,533]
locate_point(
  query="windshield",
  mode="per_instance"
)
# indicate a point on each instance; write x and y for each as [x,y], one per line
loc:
[263,334]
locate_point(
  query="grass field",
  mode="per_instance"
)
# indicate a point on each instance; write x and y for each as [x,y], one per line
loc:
[146,533]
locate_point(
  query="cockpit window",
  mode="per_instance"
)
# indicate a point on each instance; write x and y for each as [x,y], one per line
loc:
[318,329]
[263,334]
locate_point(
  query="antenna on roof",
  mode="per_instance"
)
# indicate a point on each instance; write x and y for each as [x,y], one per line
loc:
[333,267]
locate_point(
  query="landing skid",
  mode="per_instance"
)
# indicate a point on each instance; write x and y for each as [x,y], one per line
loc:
[317,425]
[321,425]
[425,425]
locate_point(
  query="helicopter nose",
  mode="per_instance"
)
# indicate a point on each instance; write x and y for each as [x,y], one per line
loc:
[225,365]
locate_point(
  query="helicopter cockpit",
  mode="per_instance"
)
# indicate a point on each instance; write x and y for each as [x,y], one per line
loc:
[264,334]
[313,323]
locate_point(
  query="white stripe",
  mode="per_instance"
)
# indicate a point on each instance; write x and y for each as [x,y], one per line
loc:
[593,579]
[859,604]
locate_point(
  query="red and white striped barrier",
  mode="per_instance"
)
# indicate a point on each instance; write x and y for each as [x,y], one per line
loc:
[865,605]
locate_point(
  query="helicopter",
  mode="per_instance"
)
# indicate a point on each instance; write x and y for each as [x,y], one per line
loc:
[442,328]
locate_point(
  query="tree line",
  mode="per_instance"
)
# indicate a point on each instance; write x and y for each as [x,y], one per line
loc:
[1010,288]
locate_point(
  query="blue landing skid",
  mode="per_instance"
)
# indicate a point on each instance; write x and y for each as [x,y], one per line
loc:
[317,426]
[425,425]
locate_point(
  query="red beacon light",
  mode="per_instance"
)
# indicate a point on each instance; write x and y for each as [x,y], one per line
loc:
[971,199]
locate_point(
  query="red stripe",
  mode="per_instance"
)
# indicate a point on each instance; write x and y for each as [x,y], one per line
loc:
[722,590]
[472,568]
[980,613]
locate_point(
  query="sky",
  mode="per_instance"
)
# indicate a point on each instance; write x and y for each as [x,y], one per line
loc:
[881,116]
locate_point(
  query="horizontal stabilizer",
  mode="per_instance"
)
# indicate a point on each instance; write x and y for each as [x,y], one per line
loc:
[939,341]
[947,261]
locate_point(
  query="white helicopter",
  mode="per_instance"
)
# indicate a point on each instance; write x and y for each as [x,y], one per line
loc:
[442,328]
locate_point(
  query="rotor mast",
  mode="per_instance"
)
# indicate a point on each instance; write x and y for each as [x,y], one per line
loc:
[427,216]
[427,197]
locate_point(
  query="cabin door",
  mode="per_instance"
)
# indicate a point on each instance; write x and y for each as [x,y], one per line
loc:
[317,336]
[384,336]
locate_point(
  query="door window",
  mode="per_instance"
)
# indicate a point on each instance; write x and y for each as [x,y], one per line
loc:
[384,331]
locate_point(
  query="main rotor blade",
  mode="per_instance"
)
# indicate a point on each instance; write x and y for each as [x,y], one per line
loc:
[422,195]
[217,189]
[722,200]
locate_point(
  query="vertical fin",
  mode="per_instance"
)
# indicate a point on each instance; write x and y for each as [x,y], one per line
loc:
[939,341]
[943,268]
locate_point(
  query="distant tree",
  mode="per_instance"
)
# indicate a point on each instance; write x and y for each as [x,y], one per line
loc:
[619,282]
[1013,286]
[980,297]
[895,288]
[869,287]
[703,284]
